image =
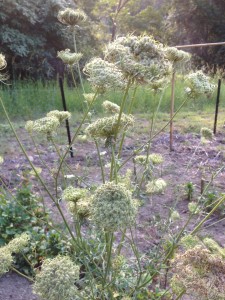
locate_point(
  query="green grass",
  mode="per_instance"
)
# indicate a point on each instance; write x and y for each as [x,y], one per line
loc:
[28,100]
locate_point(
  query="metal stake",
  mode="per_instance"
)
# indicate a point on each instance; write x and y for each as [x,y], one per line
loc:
[65,109]
[217,106]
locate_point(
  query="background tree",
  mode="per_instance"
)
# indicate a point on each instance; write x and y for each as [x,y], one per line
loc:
[199,21]
[31,35]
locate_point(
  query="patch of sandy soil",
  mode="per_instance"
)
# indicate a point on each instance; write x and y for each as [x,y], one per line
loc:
[190,161]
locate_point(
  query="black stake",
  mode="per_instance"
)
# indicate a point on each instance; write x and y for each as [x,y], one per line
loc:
[65,109]
[217,106]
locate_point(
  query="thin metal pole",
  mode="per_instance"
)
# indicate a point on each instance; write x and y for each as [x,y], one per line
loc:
[172,109]
[65,109]
[217,106]
[200,45]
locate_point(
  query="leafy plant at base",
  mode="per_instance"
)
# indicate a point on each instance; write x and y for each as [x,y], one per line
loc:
[25,213]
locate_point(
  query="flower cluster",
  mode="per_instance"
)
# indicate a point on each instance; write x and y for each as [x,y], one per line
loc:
[60,115]
[111,107]
[104,75]
[140,159]
[156,159]
[19,243]
[174,55]
[89,97]
[3,63]
[56,279]
[46,125]
[71,17]
[1,160]
[199,273]
[113,207]
[141,59]
[14,246]
[206,133]
[68,57]
[198,84]
[156,186]
[81,207]
[108,127]
[6,260]
[193,207]
[73,194]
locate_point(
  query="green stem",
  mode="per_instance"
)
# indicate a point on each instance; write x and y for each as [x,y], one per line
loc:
[129,112]
[78,65]
[119,248]
[21,274]
[122,106]
[109,244]
[157,133]
[222,199]
[100,161]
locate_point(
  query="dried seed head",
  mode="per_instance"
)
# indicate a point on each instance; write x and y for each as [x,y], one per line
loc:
[199,273]
[113,207]
[141,59]
[68,57]
[156,186]
[89,97]
[56,279]
[60,115]
[71,16]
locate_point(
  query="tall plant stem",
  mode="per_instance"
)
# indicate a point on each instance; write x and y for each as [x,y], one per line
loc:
[122,106]
[34,169]
[100,161]
[157,133]
[129,112]
[109,243]
[76,133]
[78,65]
[172,108]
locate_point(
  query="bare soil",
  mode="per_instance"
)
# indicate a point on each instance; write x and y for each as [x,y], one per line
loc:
[202,161]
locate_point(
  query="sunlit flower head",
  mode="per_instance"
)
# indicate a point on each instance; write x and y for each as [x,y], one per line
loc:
[198,84]
[104,75]
[71,16]
[1,160]
[113,207]
[69,58]
[3,62]
[140,59]
[57,278]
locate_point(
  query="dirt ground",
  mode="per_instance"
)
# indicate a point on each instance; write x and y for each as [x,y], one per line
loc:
[190,161]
